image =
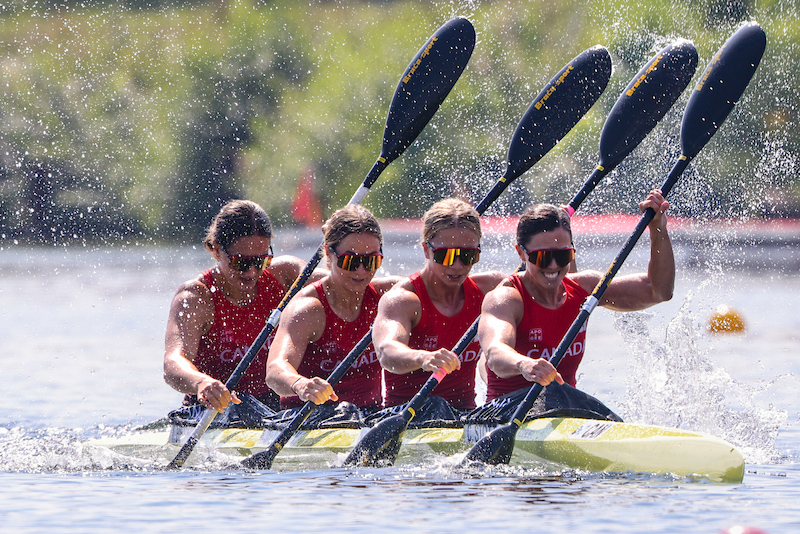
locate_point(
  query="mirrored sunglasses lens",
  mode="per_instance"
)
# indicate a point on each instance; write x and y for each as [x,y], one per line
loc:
[371,263]
[345,261]
[443,256]
[242,264]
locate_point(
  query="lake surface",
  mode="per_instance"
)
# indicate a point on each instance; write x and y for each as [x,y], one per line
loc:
[82,345]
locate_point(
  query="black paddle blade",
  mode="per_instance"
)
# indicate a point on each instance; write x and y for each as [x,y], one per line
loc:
[721,86]
[426,83]
[558,108]
[261,460]
[651,93]
[494,448]
[380,444]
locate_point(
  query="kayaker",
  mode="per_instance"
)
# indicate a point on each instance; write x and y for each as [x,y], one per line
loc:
[524,319]
[422,318]
[215,316]
[326,320]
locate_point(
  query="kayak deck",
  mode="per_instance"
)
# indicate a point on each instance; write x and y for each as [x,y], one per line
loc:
[586,444]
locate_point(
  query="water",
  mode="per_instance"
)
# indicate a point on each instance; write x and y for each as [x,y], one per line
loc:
[82,331]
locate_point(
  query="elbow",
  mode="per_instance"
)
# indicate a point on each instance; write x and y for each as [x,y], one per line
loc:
[388,363]
[272,376]
[491,364]
[665,294]
[168,372]
[380,352]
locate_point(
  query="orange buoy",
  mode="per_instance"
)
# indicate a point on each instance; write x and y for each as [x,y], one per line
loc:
[725,320]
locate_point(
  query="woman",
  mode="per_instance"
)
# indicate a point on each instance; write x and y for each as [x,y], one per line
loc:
[326,320]
[425,315]
[215,317]
[524,319]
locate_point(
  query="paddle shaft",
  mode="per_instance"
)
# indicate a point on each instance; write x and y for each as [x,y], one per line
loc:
[721,86]
[415,101]
[417,400]
[423,87]
[592,300]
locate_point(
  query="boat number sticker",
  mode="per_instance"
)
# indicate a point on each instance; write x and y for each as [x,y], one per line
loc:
[591,430]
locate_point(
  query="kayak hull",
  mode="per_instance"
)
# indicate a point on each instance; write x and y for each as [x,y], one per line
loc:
[585,444]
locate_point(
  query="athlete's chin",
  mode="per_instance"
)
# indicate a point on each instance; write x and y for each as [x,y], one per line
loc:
[360,284]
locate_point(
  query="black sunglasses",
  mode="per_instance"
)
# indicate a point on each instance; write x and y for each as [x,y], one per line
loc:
[543,258]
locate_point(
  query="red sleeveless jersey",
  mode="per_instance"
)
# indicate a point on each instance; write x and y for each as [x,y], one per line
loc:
[539,334]
[361,385]
[436,331]
[234,329]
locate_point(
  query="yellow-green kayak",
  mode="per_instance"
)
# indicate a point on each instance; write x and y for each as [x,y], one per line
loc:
[586,444]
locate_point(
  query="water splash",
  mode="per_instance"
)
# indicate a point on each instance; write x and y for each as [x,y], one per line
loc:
[48,450]
[65,450]
[675,384]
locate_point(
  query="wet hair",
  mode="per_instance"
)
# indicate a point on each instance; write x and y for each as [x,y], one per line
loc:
[449,213]
[237,218]
[351,219]
[541,218]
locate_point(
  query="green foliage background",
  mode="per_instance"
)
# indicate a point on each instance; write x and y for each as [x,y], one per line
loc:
[135,120]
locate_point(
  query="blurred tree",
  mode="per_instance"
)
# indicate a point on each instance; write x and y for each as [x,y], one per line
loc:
[136,119]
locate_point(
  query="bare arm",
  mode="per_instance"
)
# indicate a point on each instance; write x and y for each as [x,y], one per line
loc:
[190,316]
[398,313]
[642,290]
[302,323]
[500,315]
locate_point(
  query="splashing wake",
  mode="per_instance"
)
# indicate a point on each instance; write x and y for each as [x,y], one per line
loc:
[675,384]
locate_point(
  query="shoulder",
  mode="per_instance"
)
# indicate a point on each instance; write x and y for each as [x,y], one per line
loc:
[286,269]
[385,283]
[489,280]
[194,291]
[193,298]
[305,306]
[400,297]
[504,291]
[503,301]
